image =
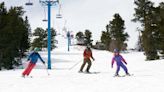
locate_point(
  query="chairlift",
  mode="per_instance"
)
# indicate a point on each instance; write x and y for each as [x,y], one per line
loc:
[59,14]
[29,3]
[44,20]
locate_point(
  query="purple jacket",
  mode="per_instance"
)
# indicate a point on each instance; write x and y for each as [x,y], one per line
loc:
[118,59]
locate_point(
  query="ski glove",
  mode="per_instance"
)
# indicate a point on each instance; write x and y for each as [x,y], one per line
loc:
[93,59]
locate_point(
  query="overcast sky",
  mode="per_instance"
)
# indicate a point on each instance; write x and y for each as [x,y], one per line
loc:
[83,14]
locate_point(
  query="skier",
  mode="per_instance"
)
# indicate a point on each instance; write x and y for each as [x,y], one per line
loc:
[33,58]
[87,55]
[118,59]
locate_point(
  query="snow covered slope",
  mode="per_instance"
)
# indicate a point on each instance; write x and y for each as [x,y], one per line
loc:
[64,76]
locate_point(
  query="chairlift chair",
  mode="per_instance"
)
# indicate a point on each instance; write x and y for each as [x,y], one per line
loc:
[29,3]
[58,16]
[59,12]
[44,20]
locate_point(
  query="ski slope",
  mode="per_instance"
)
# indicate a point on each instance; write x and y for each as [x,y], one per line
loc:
[64,76]
[148,76]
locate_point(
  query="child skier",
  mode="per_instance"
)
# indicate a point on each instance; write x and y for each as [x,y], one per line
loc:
[87,55]
[33,58]
[118,59]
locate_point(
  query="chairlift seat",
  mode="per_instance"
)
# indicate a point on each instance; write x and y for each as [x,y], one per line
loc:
[58,16]
[29,3]
[45,20]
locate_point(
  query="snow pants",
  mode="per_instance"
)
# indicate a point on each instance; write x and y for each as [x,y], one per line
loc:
[89,65]
[28,69]
[120,64]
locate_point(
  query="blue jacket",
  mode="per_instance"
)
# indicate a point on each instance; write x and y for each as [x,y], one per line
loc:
[33,57]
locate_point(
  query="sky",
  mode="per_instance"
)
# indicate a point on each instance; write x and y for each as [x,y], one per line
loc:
[79,15]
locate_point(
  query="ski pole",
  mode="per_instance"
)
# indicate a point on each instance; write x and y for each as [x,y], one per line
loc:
[46,70]
[74,65]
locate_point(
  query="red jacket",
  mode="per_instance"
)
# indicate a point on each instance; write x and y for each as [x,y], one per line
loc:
[87,54]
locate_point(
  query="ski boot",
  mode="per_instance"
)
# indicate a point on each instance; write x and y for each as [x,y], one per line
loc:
[117,75]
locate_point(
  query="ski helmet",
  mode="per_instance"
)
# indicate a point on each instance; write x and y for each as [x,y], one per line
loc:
[36,49]
[88,46]
[116,51]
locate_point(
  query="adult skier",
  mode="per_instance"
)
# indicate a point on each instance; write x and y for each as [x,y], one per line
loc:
[33,58]
[120,62]
[87,55]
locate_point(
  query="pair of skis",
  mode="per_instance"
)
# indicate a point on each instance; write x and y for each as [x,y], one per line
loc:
[123,75]
[89,72]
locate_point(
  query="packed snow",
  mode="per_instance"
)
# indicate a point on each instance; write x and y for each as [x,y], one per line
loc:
[148,76]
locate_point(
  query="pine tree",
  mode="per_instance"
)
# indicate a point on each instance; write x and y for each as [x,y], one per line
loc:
[3,23]
[79,35]
[105,38]
[12,33]
[154,33]
[142,9]
[25,40]
[145,13]
[18,38]
[117,33]
[161,27]
[88,36]
[40,39]
[53,34]
[80,38]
